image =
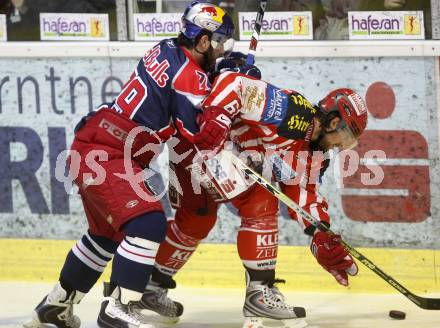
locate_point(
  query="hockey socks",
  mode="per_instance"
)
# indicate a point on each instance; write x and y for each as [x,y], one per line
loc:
[175,251]
[85,262]
[257,243]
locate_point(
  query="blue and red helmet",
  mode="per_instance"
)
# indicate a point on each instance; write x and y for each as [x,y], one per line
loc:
[206,16]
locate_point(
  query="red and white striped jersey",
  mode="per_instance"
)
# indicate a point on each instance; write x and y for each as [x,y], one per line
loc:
[277,125]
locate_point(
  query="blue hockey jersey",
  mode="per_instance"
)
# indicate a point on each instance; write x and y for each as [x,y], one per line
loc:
[165,90]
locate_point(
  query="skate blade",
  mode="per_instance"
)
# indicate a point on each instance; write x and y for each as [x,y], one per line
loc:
[34,323]
[154,318]
[256,322]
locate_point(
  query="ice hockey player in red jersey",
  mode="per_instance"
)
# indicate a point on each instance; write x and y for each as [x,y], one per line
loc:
[126,222]
[283,130]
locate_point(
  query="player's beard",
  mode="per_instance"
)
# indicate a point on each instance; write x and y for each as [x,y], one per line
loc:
[209,60]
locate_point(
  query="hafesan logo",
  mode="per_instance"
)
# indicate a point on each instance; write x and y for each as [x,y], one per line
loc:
[287,25]
[155,27]
[62,26]
[301,25]
[386,25]
[412,25]
[2,27]
[96,28]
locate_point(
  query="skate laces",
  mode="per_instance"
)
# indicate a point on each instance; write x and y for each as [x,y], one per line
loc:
[70,319]
[274,296]
[124,312]
[271,283]
[67,315]
[162,298]
[275,289]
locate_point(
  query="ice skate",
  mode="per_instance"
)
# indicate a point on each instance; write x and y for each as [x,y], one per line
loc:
[56,308]
[156,306]
[264,306]
[117,312]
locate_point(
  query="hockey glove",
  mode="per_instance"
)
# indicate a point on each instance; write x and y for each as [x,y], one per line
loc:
[250,70]
[83,121]
[228,64]
[215,123]
[333,257]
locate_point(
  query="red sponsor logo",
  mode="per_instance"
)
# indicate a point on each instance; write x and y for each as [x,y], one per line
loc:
[267,240]
[210,10]
[114,130]
[404,193]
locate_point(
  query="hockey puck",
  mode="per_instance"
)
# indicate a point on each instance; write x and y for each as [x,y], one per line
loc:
[399,315]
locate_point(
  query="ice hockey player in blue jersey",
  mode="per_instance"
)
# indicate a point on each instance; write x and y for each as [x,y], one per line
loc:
[126,222]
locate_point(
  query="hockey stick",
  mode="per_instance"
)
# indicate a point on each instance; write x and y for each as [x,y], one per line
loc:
[250,60]
[422,302]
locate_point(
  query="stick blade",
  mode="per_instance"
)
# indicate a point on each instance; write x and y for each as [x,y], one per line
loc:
[425,302]
[432,304]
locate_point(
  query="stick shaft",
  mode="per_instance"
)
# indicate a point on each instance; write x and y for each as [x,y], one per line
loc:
[250,60]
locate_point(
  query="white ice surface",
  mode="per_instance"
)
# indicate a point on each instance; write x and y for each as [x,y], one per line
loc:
[221,308]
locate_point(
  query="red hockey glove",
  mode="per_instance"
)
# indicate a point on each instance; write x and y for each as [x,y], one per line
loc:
[215,123]
[333,257]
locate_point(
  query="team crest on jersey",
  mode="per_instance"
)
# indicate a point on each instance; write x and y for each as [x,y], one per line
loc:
[170,44]
[253,98]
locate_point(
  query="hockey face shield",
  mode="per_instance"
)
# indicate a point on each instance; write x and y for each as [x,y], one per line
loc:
[219,41]
[222,37]
[340,139]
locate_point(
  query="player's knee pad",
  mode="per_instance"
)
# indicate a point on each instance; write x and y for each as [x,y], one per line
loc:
[257,242]
[143,236]
[176,250]
[151,226]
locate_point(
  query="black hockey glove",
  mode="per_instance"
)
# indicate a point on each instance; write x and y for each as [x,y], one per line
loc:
[228,64]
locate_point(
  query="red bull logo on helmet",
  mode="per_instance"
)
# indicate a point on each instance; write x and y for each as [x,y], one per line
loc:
[216,13]
[210,10]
